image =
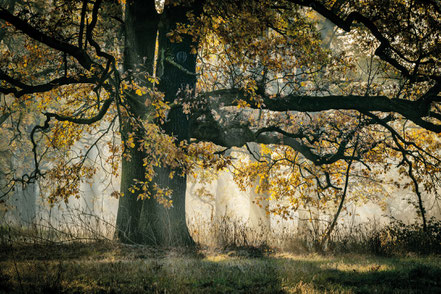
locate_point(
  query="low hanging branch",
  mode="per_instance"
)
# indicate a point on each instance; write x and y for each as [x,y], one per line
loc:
[82,121]
[28,178]
[342,200]
[21,89]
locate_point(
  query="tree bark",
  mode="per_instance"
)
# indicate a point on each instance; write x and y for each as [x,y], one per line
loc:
[147,221]
[141,25]
[167,226]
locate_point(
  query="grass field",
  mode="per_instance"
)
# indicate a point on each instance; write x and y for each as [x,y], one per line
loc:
[107,267]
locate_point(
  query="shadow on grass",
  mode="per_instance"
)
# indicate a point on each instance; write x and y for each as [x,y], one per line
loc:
[53,251]
[420,279]
[383,275]
[257,275]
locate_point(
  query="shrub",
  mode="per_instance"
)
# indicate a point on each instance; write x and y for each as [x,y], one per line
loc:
[399,238]
[396,238]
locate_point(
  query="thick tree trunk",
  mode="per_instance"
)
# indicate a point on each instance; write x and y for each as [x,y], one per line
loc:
[162,225]
[141,25]
[129,207]
[147,221]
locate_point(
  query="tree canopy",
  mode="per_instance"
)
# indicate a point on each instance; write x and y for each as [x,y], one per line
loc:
[323,85]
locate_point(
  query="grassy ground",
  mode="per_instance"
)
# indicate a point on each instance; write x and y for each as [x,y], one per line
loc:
[112,268]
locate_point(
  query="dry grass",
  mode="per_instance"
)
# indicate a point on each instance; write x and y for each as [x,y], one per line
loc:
[107,267]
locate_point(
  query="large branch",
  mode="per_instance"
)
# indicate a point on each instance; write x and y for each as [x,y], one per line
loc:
[236,134]
[412,110]
[78,53]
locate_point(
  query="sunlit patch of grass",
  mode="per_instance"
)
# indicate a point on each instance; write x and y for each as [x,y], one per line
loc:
[370,267]
[218,257]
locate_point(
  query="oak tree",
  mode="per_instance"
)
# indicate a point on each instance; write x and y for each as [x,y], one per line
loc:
[324,85]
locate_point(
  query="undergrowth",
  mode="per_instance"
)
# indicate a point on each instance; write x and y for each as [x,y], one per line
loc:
[110,267]
[396,238]
[395,258]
